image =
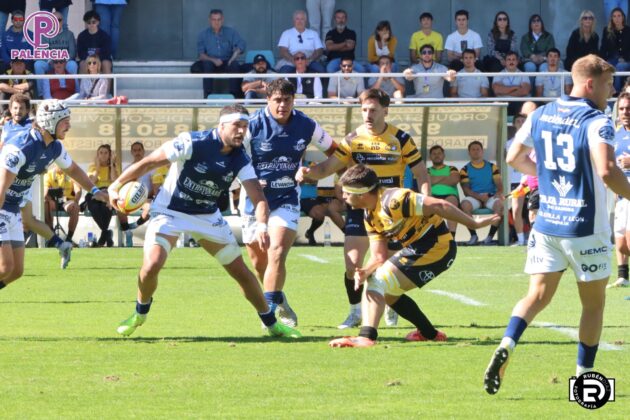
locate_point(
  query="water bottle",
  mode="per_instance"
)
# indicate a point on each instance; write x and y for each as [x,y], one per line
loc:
[90,238]
[128,238]
[327,234]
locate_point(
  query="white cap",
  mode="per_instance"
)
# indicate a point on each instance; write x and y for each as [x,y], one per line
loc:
[50,112]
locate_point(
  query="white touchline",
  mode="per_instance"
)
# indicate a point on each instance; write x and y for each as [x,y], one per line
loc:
[460,298]
[314,258]
[573,333]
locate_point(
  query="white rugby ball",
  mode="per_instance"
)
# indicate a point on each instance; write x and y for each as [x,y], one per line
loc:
[132,196]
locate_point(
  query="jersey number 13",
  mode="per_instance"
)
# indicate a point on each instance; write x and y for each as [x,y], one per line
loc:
[566,161]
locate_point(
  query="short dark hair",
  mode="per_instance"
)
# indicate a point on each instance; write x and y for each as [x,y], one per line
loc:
[427,46]
[509,53]
[360,176]
[554,50]
[472,143]
[461,12]
[216,12]
[469,51]
[426,15]
[21,98]
[137,143]
[91,14]
[281,86]
[436,147]
[340,11]
[377,94]
[233,109]
[384,56]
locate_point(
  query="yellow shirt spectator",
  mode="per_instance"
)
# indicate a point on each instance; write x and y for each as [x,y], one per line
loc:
[418,39]
[57,179]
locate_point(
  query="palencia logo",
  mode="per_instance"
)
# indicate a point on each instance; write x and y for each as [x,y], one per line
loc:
[45,25]
[591,390]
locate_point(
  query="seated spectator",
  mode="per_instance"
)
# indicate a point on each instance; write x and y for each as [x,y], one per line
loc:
[340,43]
[610,5]
[63,41]
[14,39]
[501,40]
[444,180]
[426,86]
[535,44]
[15,84]
[512,84]
[255,87]
[551,86]
[60,6]
[518,200]
[61,194]
[583,40]
[18,118]
[60,88]
[218,48]
[462,39]
[470,87]
[6,7]
[309,87]
[303,40]
[616,44]
[393,86]
[102,173]
[346,87]
[94,41]
[382,42]
[137,153]
[110,12]
[93,88]
[426,35]
[482,186]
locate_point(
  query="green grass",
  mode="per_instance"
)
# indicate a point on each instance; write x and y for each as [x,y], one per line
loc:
[202,352]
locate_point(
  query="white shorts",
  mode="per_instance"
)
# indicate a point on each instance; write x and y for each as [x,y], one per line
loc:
[476,204]
[621,223]
[211,227]
[11,228]
[28,197]
[284,216]
[588,256]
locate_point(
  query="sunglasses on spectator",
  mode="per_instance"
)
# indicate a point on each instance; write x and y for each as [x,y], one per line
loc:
[18,19]
[502,18]
[89,63]
[588,17]
[299,57]
[346,65]
[58,61]
[426,52]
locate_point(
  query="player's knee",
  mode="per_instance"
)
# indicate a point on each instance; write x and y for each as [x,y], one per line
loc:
[384,282]
[318,212]
[228,254]
[72,208]
[6,268]
[277,253]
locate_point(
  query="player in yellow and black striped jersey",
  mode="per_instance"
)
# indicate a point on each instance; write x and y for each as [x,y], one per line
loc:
[417,221]
[387,150]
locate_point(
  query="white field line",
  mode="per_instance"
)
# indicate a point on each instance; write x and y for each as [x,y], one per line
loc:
[314,258]
[573,333]
[460,298]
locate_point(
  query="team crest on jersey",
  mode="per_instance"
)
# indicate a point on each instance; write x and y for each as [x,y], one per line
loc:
[300,145]
[265,146]
[394,204]
[201,167]
[607,132]
[359,158]
[563,186]
[12,160]
[178,145]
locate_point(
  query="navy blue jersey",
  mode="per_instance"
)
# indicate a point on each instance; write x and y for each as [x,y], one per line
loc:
[200,173]
[622,146]
[25,154]
[572,195]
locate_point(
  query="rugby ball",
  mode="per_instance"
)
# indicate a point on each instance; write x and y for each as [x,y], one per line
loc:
[132,196]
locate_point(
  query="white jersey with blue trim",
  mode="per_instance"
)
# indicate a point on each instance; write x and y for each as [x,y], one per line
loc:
[573,198]
[277,151]
[25,154]
[622,146]
[200,173]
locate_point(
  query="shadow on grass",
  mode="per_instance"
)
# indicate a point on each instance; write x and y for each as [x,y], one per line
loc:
[63,302]
[158,340]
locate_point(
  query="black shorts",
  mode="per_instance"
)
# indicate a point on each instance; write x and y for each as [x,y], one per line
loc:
[307,204]
[426,258]
[534,200]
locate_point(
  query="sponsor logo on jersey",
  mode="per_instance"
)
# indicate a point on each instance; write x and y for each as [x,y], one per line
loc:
[229,177]
[284,182]
[265,146]
[281,163]
[221,164]
[206,187]
[563,187]
[594,251]
[31,168]
[201,167]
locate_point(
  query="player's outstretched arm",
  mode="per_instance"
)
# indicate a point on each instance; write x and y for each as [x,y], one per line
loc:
[603,157]
[448,211]
[321,170]
[75,172]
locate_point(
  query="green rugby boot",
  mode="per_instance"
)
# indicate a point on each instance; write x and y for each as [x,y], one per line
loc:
[280,330]
[128,326]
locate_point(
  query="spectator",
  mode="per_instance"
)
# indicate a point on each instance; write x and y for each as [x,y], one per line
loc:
[94,41]
[255,87]
[60,6]
[483,188]
[460,40]
[393,86]
[616,44]
[551,86]
[218,47]
[63,41]
[18,118]
[137,153]
[501,40]
[609,5]
[512,84]
[320,14]
[340,43]
[60,88]
[426,35]
[469,86]
[6,7]
[65,198]
[426,86]
[535,44]
[303,40]
[102,173]
[444,180]
[93,88]
[309,87]
[584,40]
[382,42]
[110,12]
[14,39]
[15,84]
[345,87]
[518,200]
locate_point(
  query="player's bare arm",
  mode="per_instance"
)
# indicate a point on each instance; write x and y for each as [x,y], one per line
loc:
[421,174]
[378,256]
[603,157]
[319,171]
[518,158]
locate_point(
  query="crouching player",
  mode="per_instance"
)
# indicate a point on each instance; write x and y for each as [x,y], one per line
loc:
[204,164]
[417,221]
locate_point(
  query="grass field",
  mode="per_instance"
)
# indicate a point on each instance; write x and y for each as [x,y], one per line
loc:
[202,352]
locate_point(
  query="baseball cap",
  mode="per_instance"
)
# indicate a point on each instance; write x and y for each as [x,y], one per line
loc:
[258,58]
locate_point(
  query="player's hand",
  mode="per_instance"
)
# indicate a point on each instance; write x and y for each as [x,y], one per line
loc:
[495,218]
[113,198]
[360,275]
[262,236]
[302,174]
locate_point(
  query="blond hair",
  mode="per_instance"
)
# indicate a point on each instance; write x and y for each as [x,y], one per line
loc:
[590,67]
[593,28]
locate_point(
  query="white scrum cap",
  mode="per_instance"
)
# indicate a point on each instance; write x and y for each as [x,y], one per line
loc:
[50,112]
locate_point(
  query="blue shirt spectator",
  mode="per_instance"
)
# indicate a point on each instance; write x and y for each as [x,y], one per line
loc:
[220,44]
[14,39]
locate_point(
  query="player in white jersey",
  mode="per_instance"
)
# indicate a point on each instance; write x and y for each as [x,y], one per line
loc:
[203,166]
[573,140]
